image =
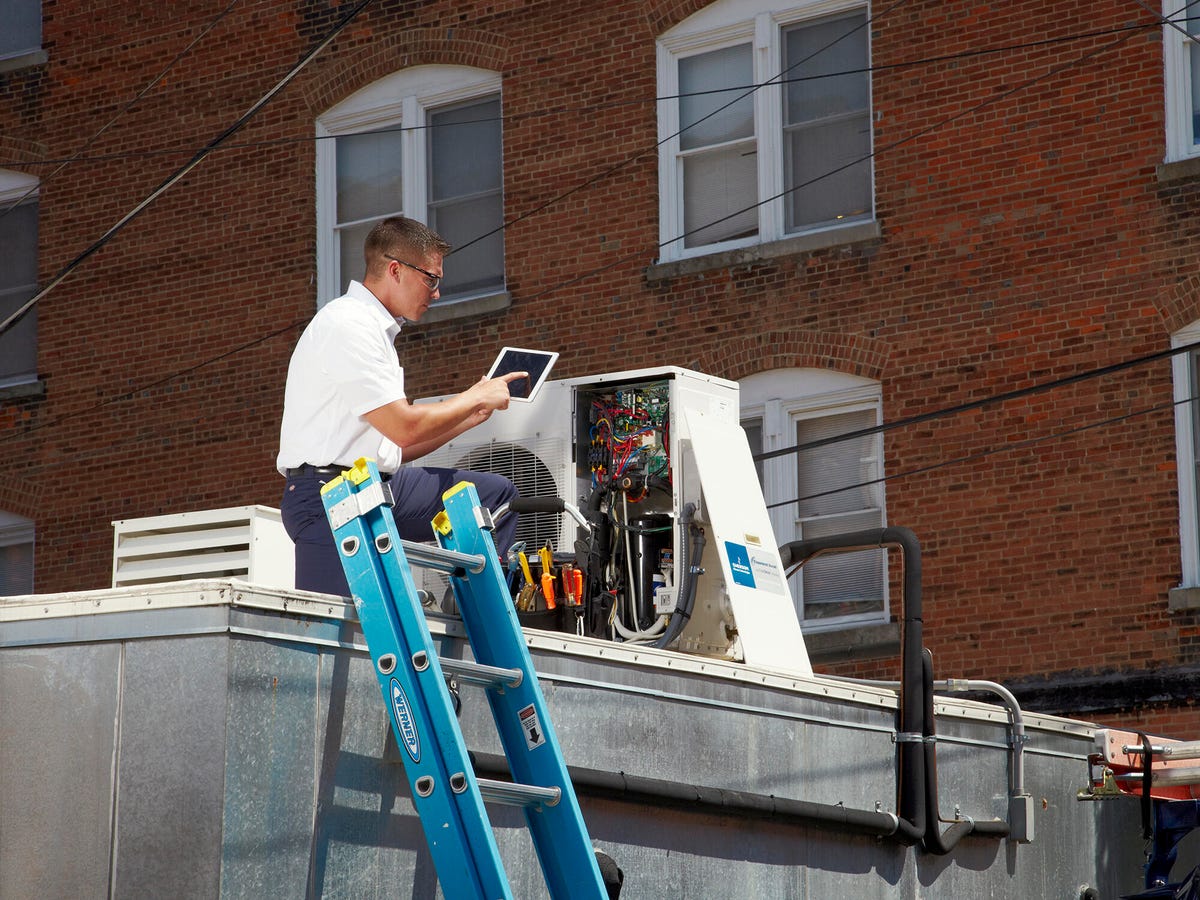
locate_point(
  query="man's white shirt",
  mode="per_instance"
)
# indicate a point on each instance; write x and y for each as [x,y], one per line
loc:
[344,365]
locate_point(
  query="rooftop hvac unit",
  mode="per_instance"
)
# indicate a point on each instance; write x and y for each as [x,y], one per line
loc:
[245,542]
[658,454]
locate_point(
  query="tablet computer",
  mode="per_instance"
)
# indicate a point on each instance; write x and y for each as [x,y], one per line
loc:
[513,359]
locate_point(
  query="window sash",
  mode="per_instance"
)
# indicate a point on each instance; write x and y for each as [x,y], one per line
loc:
[16,556]
[835,590]
[18,282]
[465,190]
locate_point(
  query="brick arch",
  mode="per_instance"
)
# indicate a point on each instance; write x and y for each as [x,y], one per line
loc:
[14,151]
[20,494]
[1181,307]
[780,349]
[412,47]
[664,14]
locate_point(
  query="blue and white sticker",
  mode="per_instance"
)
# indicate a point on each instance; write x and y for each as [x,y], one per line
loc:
[754,567]
[402,714]
[739,564]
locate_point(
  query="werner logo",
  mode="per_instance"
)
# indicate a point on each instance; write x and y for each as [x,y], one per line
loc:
[404,722]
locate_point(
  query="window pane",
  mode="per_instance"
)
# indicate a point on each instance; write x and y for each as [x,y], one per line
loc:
[754,437]
[350,244]
[827,122]
[22,29]
[715,102]
[848,464]
[728,114]
[1194,63]
[478,266]
[833,156]
[18,282]
[720,190]
[464,150]
[16,555]
[368,176]
[843,584]
[465,194]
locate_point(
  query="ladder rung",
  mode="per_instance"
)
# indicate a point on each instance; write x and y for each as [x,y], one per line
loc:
[1165,777]
[517,794]
[441,560]
[478,673]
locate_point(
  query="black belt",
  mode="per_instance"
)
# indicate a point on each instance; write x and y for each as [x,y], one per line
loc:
[307,471]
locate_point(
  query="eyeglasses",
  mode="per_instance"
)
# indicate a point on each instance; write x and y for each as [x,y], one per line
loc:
[431,281]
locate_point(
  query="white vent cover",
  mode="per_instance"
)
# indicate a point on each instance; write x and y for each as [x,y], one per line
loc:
[245,542]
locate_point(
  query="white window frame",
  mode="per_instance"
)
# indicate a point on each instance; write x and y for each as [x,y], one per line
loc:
[1177,81]
[780,398]
[723,24]
[18,187]
[397,100]
[1186,417]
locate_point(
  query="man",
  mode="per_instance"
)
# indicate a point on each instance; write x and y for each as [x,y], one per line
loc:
[345,399]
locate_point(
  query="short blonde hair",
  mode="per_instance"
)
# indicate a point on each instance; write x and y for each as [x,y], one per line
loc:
[403,238]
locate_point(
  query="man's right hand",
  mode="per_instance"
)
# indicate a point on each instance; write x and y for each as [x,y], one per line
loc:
[493,393]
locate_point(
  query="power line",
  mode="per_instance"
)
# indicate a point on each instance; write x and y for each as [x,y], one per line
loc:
[982,454]
[594,107]
[198,158]
[622,260]
[62,164]
[631,257]
[942,413]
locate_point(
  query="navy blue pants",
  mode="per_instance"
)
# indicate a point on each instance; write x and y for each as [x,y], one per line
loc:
[418,495]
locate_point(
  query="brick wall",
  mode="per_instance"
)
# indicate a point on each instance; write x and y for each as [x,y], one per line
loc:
[1028,238]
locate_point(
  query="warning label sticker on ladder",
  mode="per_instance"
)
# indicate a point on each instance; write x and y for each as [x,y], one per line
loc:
[534,736]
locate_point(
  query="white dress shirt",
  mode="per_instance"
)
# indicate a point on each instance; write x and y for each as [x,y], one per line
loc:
[344,365]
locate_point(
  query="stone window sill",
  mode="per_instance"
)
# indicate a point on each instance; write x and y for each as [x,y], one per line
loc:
[1177,171]
[856,642]
[25,60]
[467,307]
[860,232]
[30,389]
[1182,598]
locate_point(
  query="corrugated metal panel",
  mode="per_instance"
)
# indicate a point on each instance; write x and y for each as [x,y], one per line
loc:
[254,758]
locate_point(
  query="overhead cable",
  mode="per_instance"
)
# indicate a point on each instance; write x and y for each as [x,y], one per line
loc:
[183,170]
[62,164]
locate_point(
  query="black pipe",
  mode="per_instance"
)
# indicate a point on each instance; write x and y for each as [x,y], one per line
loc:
[689,564]
[713,801]
[936,841]
[910,763]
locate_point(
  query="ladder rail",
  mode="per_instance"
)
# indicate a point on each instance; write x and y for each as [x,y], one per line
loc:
[447,795]
[535,759]
[423,720]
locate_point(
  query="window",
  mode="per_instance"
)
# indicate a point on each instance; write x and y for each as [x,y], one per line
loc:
[830,489]
[22,31]
[18,276]
[16,555]
[1181,56]
[425,143]
[739,165]
[1186,375]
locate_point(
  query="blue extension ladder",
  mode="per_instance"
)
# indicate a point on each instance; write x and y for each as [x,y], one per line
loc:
[447,795]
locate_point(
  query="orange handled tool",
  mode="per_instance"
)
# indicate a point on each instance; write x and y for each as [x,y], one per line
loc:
[547,577]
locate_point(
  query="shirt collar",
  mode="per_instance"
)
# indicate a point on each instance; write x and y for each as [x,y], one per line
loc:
[363,296]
